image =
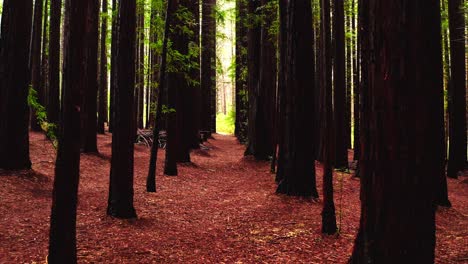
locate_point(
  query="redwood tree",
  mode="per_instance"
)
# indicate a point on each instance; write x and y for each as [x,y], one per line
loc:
[53,106]
[457,90]
[103,71]
[120,202]
[296,167]
[14,82]
[62,240]
[35,59]
[402,139]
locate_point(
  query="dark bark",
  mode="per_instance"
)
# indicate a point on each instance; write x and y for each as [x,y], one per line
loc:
[457,90]
[45,55]
[62,240]
[296,167]
[140,66]
[208,65]
[401,133]
[113,73]
[339,94]
[120,202]
[102,118]
[35,60]
[241,71]
[15,76]
[89,104]
[53,106]
[151,179]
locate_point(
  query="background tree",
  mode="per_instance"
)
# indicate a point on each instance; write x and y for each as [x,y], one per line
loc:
[62,239]
[241,71]
[102,118]
[35,59]
[120,202]
[53,106]
[401,133]
[14,81]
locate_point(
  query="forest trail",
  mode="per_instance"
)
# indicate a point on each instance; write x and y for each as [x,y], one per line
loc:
[221,208]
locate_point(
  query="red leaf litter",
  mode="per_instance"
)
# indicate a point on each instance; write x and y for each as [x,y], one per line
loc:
[220,209]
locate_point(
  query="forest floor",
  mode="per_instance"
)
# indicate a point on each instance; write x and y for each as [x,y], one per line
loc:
[222,208]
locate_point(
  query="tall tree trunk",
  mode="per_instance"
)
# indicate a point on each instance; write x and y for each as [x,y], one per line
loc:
[339,94]
[15,76]
[113,73]
[241,71]
[89,104]
[45,54]
[401,139]
[151,179]
[296,167]
[208,65]
[457,90]
[120,202]
[35,59]
[356,83]
[53,107]
[62,240]
[102,118]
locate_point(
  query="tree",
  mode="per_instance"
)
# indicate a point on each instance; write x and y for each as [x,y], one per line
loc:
[14,81]
[35,59]
[457,90]
[113,71]
[102,118]
[296,167]
[208,65]
[89,104]
[241,71]
[120,202]
[62,239]
[401,132]
[339,93]
[53,106]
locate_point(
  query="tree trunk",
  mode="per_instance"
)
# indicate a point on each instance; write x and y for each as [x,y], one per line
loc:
[151,179]
[296,167]
[62,240]
[89,104]
[53,106]
[208,65]
[120,202]
[402,153]
[339,94]
[241,71]
[35,60]
[113,73]
[103,72]
[457,90]
[14,81]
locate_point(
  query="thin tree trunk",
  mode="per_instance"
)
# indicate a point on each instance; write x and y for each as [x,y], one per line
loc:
[103,72]
[53,107]
[35,59]
[62,240]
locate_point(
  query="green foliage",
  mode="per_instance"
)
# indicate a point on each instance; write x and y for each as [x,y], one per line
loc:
[225,123]
[41,115]
[167,110]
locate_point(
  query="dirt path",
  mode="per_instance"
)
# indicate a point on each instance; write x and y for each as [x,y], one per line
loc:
[221,208]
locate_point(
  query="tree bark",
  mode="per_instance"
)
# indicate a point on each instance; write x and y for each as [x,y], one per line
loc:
[35,60]
[62,240]
[401,135]
[120,202]
[15,76]
[102,118]
[457,90]
[53,106]
[296,166]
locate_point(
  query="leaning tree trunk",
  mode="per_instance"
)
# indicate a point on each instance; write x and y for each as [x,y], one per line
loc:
[402,150]
[120,203]
[296,166]
[14,81]
[62,240]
